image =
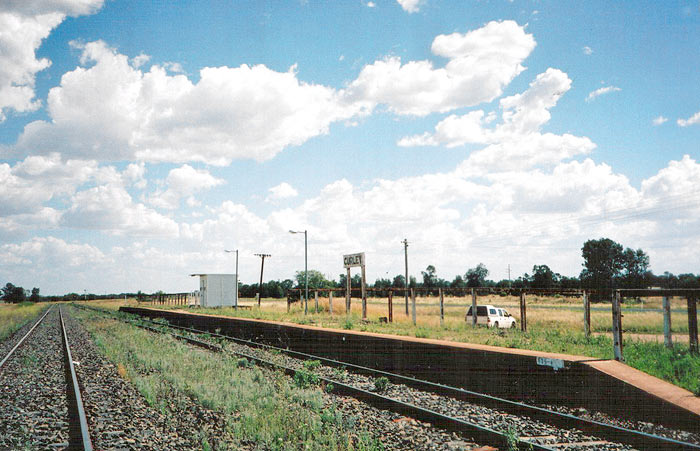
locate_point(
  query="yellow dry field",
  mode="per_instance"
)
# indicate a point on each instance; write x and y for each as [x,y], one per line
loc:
[14,316]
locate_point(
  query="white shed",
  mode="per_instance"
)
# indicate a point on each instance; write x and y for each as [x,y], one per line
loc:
[217,290]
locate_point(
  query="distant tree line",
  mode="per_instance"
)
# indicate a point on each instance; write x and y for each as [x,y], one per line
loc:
[606,266]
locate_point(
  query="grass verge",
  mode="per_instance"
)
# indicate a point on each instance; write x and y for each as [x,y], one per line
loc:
[14,316]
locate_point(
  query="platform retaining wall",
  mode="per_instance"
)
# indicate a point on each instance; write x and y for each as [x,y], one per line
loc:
[512,374]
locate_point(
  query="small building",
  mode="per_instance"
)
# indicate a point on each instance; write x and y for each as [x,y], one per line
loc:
[217,290]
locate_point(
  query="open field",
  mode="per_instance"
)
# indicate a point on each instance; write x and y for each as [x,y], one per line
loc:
[14,316]
[554,325]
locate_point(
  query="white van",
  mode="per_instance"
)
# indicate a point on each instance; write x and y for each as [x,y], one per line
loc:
[491,316]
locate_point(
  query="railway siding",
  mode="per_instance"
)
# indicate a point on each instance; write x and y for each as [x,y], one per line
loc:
[507,373]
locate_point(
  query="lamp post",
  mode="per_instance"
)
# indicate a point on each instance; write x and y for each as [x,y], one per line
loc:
[236,251]
[306,271]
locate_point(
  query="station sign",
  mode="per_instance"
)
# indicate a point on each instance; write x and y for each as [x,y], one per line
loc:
[557,364]
[351,260]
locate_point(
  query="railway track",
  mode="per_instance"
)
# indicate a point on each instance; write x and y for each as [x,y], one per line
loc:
[56,399]
[565,431]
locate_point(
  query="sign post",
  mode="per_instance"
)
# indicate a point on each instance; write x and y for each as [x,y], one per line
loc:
[349,261]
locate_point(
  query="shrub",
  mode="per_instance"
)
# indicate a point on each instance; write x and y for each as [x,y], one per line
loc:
[381,384]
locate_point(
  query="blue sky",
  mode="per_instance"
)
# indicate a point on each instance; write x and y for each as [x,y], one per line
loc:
[140,139]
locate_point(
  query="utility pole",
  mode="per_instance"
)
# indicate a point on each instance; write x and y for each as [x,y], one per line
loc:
[509,283]
[405,255]
[262,266]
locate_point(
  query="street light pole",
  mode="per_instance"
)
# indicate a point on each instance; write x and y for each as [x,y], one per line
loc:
[236,251]
[306,271]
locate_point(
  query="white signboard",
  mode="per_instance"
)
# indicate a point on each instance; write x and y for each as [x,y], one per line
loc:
[557,364]
[354,260]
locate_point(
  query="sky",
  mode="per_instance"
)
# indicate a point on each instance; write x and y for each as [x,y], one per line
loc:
[139,140]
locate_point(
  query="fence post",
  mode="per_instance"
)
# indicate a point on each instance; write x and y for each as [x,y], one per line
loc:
[316,300]
[523,312]
[692,324]
[617,327]
[442,308]
[391,306]
[330,301]
[474,307]
[586,314]
[668,339]
[364,293]
[413,305]
[347,293]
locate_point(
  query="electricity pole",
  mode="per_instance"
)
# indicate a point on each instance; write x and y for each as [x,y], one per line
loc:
[262,266]
[509,284]
[405,254]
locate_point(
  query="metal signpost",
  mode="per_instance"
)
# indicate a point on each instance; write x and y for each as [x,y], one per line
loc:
[350,261]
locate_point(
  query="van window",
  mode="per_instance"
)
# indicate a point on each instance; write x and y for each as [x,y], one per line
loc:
[500,312]
[492,311]
[480,311]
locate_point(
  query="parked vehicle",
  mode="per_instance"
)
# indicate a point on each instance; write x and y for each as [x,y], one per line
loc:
[491,316]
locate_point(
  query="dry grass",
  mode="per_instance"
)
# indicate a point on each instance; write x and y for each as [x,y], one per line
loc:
[14,316]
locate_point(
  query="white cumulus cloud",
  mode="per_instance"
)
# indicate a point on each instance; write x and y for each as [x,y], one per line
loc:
[410,6]
[282,191]
[113,110]
[694,119]
[659,120]
[480,63]
[24,24]
[182,182]
[601,91]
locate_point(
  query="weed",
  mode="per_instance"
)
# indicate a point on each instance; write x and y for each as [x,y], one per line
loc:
[340,373]
[312,365]
[348,324]
[381,384]
[305,379]
[422,332]
[511,439]
[242,362]
[328,388]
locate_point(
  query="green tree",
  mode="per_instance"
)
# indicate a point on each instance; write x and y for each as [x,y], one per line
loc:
[35,296]
[458,282]
[429,277]
[399,281]
[543,277]
[13,294]
[603,260]
[316,280]
[635,268]
[476,277]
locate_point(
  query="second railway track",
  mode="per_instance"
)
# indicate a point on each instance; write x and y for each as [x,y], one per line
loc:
[457,409]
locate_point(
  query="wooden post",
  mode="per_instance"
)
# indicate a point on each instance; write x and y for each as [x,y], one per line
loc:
[442,308]
[391,306]
[586,314]
[692,324]
[617,327]
[413,304]
[474,307]
[668,339]
[288,302]
[523,312]
[330,301]
[348,289]
[364,294]
[316,300]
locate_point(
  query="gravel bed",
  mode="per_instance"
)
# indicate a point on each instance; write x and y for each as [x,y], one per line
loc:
[119,417]
[33,396]
[504,422]
[649,428]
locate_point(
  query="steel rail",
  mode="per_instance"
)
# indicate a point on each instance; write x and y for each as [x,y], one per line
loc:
[479,434]
[84,432]
[603,430]
[9,354]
